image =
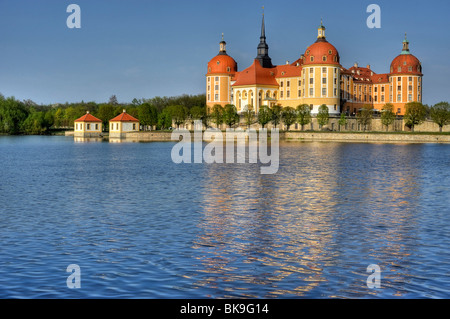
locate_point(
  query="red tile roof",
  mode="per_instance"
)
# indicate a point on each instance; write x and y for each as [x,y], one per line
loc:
[287,71]
[88,118]
[256,74]
[124,117]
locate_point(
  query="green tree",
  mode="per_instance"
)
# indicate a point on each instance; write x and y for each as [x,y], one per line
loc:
[387,115]
[249,115]
[59,117]
[12,115]
[288,116]
[440,114]
[105,113]
[164,119]
[217,114]
[276,114]
[35,123]
[342,121]
[415,113]
[148,115]
[323,117]
[264,115]
[364,116]
[230,115]
[178,114]
[198,113]
[303,115]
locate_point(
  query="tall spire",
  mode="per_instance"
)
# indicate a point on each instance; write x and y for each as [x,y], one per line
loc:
[321,32]
[263,48]
[405,46]
[223,47]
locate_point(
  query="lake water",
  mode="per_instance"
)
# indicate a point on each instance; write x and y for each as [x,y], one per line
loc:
[139,225]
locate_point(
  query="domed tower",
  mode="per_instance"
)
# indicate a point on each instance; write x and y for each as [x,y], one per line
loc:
[321,74]
[221,70]
[405,79]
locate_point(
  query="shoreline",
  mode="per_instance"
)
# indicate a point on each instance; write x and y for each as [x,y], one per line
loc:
[297,136]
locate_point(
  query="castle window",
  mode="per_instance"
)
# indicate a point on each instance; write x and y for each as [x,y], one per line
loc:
[299,93]
[399,88]
[382,98]
[281,94]
[324,58]
[312,58]
[399,98]
[96,126]
[410,79]
[330,52]
[399,79]
[410,98]
[311,81]
[228,69]
[324,70]
[324,92]
[324,80]
[88,127]
[299,82]
[311,92]
[288,94]
[311,70]
[209,79]
[288,83]
[216,97]
[404,63]
[410,69]
[217,78]
[218,62]
[335,92]
[307,52]
[282,84]
[410,88]
[399,69]
[216,87]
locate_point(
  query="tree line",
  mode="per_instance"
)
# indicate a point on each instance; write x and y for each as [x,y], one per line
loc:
[415,114]
[26,117]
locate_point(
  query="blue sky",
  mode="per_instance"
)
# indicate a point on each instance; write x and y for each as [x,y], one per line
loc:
[147,48]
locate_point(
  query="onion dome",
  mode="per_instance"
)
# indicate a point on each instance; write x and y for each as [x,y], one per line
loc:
[406,63]
[321,52]
[222,63]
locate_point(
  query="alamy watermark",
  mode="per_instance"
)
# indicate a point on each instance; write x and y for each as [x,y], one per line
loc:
[374,280]
[74,279]
[73,20]
[374,20]
[251,147]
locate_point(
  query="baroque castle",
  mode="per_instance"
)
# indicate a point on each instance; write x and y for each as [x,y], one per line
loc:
[315,78]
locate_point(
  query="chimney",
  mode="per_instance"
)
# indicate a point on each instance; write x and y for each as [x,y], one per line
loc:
[287,62]
[368,66]
[356,64]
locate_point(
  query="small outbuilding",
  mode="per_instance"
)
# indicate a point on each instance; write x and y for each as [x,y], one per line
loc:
[88,126]
[122,124]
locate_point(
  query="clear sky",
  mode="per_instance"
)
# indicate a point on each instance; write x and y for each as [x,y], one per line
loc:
[147,48]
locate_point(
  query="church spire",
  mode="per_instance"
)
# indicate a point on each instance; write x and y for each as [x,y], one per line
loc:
[223,47]
[263,48]
[405,46]
[321,31]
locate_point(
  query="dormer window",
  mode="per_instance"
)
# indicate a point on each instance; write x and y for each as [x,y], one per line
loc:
[218,62]
[228,69]
[312,58]
[324,58]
